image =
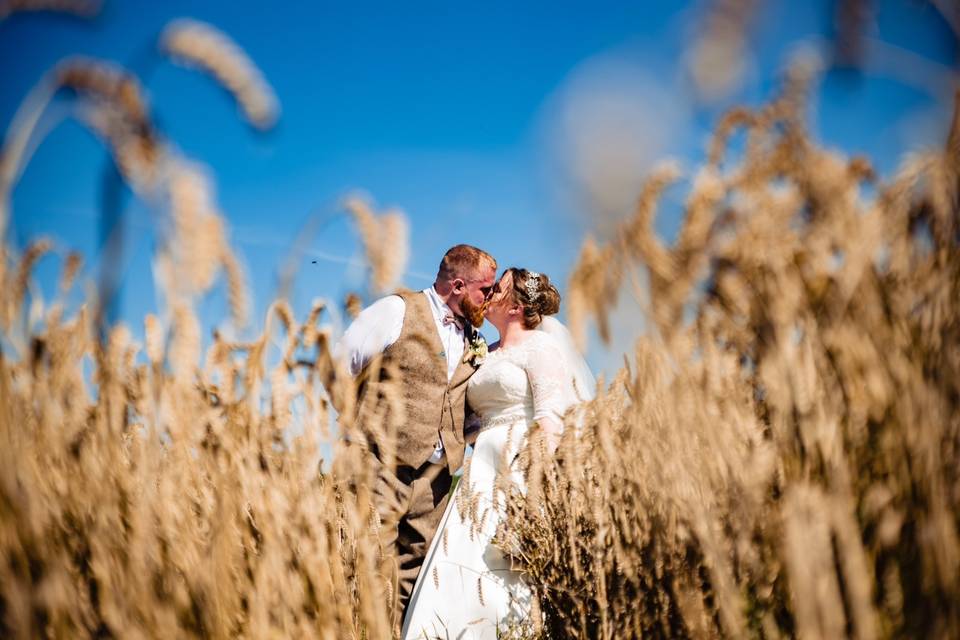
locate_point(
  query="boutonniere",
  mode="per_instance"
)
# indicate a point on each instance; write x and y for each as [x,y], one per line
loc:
[476,350]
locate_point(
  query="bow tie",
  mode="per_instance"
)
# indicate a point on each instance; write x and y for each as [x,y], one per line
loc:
[452,319]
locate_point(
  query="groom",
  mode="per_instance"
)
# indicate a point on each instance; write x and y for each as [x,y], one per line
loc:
[407,352]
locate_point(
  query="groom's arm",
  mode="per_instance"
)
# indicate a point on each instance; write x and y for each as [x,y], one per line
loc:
[376,328]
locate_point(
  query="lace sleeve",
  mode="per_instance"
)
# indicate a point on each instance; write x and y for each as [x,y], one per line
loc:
[546,371]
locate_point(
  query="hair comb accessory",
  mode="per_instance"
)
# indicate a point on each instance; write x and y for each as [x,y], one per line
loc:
[531,284]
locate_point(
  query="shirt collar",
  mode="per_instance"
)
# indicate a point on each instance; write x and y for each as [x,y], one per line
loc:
[437,305]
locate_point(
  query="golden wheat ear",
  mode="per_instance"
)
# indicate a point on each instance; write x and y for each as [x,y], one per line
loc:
[202,46]
[385,238]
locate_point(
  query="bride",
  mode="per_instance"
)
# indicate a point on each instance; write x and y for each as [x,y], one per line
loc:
[467,588]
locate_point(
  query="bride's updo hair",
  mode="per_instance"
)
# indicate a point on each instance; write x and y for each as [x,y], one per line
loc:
[534,292]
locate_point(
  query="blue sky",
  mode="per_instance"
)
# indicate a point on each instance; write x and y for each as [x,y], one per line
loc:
[472,119]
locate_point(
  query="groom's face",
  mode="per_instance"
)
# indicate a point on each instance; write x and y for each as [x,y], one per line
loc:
[476,290]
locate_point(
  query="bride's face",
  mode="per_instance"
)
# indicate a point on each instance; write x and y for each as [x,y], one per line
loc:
[501,300]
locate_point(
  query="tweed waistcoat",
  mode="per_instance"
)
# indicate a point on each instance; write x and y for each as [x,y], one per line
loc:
[406,401]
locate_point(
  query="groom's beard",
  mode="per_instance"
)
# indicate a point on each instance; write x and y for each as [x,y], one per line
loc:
[473,312]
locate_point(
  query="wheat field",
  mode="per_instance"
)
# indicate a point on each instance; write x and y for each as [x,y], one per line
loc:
[778,457]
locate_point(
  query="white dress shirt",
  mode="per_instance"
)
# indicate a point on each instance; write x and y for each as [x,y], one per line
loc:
[379,326]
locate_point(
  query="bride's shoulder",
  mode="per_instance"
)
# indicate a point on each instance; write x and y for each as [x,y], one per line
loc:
[541,341]
[537,351]
[542,337]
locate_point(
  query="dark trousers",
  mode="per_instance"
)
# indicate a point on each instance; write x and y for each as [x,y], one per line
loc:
[410,503]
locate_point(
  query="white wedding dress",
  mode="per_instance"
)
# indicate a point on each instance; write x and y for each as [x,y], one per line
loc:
[467,588]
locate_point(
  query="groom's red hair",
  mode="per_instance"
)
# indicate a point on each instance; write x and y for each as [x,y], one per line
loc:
[465,262]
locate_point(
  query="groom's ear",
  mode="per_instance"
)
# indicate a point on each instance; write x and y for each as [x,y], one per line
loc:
[458,285]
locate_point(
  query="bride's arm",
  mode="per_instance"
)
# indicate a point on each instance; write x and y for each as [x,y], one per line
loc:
[546,374]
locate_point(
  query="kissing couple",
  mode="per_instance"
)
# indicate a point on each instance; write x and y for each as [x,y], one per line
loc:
[431,387]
